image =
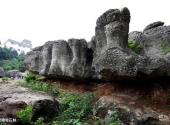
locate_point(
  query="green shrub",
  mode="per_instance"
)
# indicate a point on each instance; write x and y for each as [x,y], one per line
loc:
[114,119]
[37,85]
[1,123]
[5,79]
[34,82]
[40,121]
[134,46]
[25,115]
[30,77]
[76,109]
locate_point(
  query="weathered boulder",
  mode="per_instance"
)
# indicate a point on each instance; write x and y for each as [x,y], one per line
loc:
[108,56]
[12,73]
[47,57]
[45,108]
[113,20]
[108,108]
[153,25]
[60,59]
[81,62]
[34,59]
[14,98]
[116,61]
[2,72]
[155,58]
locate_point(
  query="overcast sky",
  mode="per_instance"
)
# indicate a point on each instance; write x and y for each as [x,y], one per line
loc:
[43,20]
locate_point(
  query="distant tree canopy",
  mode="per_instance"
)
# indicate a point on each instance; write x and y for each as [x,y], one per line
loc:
[10,59]
[7,53]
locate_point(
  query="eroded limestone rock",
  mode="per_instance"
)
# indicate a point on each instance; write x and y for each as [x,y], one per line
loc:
[107,56]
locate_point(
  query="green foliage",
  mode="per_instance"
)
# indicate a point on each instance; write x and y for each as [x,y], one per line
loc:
[7,53]
[134,46]
[165,48]
[37,85]
[40,121]
[34,82]
[115,120]
[25,115]
[2,123]
[30,77]
[5,79]
[76,109]
[13,64]
[10,60]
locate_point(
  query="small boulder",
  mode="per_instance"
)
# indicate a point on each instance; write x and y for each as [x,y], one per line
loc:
[46,109]
[12,73]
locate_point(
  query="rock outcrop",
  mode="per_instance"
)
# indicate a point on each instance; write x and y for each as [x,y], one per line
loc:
[14,98]
[127,113]
[108,55]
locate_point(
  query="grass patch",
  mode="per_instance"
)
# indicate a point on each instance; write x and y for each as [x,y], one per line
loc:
[133,45]
[25,115]
[76,109]
[5,79]
[34,82]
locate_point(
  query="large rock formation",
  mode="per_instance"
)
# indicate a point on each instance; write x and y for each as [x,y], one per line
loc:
[155,58]
[107,56]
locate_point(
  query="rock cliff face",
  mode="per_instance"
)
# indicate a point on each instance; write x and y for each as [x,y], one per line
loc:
[107,56]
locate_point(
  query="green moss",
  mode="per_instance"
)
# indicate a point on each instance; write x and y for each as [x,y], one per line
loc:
[134,46]
[165,47]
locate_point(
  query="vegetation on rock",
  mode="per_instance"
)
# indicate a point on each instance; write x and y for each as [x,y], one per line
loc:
[35,83]
[25,115]
[165,48]
[75,108]
[134,46]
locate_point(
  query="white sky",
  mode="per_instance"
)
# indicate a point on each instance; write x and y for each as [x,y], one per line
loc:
[43,20]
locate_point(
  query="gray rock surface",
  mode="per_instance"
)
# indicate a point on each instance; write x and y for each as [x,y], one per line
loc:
[127,114]
[13,98]
[153,25]
[107,56]
[45,108]
[12,73]
[62,59]
[2,72]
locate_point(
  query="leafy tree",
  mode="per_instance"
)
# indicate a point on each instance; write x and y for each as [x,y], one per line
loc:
[10,59]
